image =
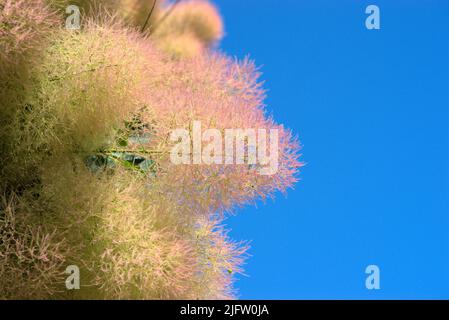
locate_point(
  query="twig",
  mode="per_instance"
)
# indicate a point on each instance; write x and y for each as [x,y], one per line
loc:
[149,16]
[84,71]
[150,152]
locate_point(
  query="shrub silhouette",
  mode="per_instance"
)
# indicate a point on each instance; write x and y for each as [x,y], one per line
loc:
[85,170]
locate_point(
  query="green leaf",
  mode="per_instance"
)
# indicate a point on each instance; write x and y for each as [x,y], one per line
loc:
[122,142]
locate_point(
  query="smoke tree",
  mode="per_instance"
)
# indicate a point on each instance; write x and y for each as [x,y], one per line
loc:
[85,171]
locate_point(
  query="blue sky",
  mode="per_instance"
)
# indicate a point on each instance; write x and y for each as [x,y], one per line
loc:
[371,108]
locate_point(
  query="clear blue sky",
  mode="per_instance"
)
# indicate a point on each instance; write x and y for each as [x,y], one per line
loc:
[372,111]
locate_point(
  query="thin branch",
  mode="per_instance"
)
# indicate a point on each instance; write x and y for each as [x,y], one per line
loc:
[149,16]
[84,71]
[140,151]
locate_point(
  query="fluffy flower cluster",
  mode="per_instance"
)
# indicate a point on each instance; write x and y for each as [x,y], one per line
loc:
[85,171]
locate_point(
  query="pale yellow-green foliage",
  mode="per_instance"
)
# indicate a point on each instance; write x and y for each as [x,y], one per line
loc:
[90,83]
[86,84]
[130,242]
[149,255]
[24,28]
[32,257]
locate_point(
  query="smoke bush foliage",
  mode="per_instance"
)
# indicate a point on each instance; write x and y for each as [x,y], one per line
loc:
[85,170]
